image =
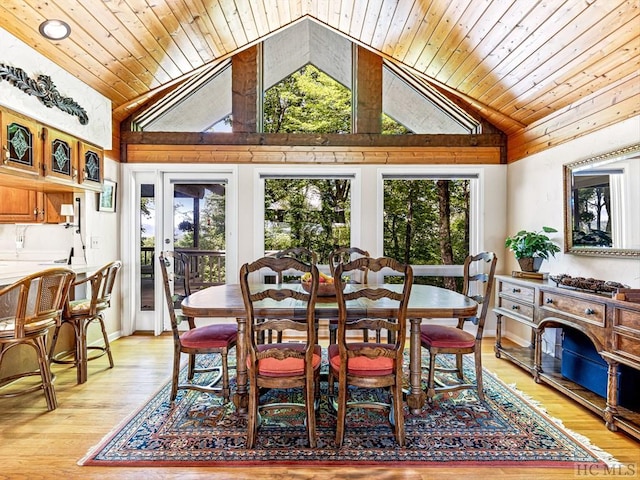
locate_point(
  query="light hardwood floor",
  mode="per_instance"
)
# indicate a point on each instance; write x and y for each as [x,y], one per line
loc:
[36,444]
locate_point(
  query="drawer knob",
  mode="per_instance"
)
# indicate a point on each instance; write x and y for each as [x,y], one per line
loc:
[589,311]
[549,300]
[515,290]
[515,307]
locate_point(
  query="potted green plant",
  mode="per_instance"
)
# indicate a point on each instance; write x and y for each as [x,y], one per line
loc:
[531,248]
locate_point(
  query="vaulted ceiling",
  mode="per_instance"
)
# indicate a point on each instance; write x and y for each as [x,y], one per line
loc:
[520,63]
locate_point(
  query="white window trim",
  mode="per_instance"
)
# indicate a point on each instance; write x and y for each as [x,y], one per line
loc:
[476,219]
[260,174]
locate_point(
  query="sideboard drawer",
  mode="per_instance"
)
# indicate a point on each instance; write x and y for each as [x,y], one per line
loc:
[519,292]
[626,334]
[627,319]
[628,347]
[584,310]
[517,308]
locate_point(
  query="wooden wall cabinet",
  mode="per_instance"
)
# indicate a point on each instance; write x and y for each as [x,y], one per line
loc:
[91,164]
[60,162]
[31,206]
[21,142]
[613,326]
[49,160]
[19,206]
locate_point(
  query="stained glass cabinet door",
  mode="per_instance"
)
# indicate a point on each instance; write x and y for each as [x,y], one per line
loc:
[91,165]
[60,156]
[21,148]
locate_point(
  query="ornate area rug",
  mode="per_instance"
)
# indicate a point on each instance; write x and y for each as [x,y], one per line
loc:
[457,429]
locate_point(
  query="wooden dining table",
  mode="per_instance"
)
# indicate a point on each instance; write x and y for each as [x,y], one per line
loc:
[426,302]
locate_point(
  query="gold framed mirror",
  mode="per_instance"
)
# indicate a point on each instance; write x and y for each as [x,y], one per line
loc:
[602,204]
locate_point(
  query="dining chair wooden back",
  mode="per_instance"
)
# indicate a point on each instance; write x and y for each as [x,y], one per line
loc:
[369,364]
[345,255]
[216,338]
[81,313]
[281,365]
[479,271]
[300,253]
[205,269]
[29,309]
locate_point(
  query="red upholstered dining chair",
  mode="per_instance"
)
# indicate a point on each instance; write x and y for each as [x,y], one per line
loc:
[345,255]
[81,313]
[369,364]
[479,271]
[206,339]
[281,365]
[29,309]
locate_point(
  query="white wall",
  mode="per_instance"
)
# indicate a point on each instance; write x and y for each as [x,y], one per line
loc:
[15,53]
[535,199]
[51,242]
[491,207]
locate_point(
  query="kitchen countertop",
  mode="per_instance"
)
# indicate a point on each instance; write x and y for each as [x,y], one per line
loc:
[13,270]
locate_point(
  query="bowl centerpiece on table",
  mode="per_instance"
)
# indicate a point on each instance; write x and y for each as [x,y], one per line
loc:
[326,287]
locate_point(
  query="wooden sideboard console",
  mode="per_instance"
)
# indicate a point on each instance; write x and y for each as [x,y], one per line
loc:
[613,326]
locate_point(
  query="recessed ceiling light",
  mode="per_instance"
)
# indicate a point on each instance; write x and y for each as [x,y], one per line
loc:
[54,29]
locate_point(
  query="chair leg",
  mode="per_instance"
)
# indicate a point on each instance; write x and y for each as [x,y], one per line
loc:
[192,366]
[107,346]
[81,327]
[431,382]
[252,421]
[310,401]
[478,360]
[54,340]
[459,366]
[225,375]
[342,412]
[330,381]
[45,373]
[398,414]
[176,373]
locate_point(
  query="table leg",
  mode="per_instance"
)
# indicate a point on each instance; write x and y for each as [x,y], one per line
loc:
[416,398]
[241,398]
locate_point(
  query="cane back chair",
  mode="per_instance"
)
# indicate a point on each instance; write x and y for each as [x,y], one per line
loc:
[281,365]
[369,364]
[81,313]
[29,309]
[479,271]
[217,338]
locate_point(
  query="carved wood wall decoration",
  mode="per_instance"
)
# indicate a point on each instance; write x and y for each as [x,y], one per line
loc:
[44,89]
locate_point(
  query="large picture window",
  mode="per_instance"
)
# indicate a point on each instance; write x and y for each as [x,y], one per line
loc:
[310,212]
[427,222]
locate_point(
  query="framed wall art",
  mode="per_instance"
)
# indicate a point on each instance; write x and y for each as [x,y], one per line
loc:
[107,200]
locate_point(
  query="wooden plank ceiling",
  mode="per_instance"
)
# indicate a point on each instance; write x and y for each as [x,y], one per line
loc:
[527,66]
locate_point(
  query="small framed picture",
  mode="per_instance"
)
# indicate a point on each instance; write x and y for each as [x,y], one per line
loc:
[107,201]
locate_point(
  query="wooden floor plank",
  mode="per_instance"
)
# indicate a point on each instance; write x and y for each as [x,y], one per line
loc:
[36,444]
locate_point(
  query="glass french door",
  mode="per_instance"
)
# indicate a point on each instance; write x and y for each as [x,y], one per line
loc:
[166,208]
[145,268]
[195,224]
